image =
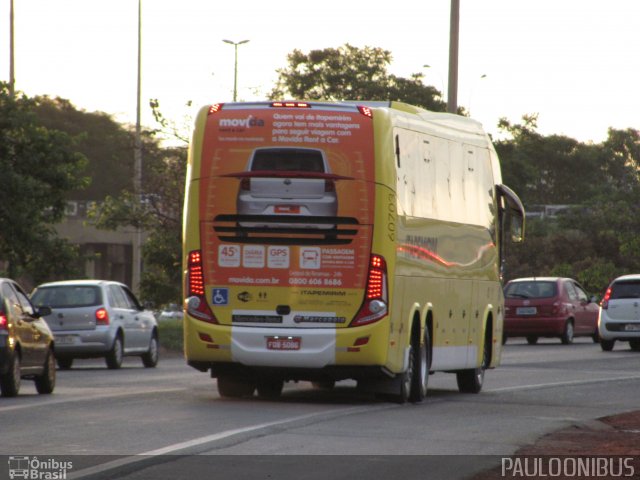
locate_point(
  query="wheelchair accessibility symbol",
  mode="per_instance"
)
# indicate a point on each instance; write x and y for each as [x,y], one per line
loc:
[220,296]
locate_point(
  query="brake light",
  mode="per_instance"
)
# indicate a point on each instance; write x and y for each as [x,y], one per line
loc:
[329,185]
[245,184]
[375,302]
[366,111]
[196,275]
[4,323]
[102,317]
[196,302]
[290,105]
[215,108]
[605,301]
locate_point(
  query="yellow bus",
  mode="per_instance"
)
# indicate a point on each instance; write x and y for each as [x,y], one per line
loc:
[333,241]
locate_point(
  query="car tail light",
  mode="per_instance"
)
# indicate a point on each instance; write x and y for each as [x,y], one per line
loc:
[329,185]
[245,184]
[4,322]
[605,301]
[375,302]
[196,302]
[102,317]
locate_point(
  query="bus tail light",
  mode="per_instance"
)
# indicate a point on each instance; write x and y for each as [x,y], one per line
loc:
[375,305]
[215,108]
[196,302]
[605,301]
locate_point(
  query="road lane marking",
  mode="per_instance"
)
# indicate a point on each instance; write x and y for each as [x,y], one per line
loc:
[100,394]
[562,384]
[177,447]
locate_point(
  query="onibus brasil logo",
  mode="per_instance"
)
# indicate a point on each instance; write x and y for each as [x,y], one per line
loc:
[38,469]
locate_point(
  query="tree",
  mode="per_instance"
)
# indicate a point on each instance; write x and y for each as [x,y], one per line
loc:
[597,239]
[39,167]
[351,73]
[158,212]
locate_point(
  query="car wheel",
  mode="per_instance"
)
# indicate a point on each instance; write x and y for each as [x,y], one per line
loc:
[532,339]
[46,382]
[150,358]
[10,381]
[635,344]
[65,363]
[596,336]
[607,345]
[114,357]
[567,336]
[235,387]
[270,388]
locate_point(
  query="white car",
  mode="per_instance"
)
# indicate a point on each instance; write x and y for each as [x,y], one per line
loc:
[98,318]
[619,317]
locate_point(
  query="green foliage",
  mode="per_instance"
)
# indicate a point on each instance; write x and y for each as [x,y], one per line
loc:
[39,167]
[106,144]
[599,238]
[351,73]
[170,333]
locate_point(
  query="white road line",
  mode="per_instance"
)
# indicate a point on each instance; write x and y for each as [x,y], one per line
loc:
[177,447]
[84,398]
[563,384]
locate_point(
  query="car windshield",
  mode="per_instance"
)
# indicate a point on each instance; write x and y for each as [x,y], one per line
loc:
[287,160]
[531,289]
[67,296]
[626,289]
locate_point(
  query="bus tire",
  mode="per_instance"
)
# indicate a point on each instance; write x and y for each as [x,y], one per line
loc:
[471,380]
[235,387]
[270,388]
[421,371]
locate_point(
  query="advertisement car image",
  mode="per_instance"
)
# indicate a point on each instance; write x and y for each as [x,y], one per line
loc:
[288,181]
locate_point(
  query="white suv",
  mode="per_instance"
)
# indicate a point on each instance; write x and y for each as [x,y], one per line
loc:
[619,317]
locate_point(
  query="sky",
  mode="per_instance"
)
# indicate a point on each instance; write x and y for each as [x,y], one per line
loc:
[575,63]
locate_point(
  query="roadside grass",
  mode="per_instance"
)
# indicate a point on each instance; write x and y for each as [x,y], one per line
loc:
[170,332]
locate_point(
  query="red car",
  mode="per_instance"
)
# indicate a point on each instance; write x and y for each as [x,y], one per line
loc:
[549,307]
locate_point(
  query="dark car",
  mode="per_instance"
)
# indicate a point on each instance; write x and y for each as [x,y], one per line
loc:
[26,342]
[549,307]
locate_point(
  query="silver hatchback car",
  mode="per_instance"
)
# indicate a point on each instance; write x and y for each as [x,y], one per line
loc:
[291,181]
[619,317]
[98,318]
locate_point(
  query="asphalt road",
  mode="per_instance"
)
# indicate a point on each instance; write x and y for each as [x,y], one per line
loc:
[169,422]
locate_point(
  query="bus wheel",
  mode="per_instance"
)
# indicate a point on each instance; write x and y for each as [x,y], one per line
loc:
[235,387]
[270,388]
[421,371]
[471,381]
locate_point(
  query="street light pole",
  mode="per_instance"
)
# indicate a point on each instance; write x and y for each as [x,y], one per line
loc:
[136,273]
[12,76]
[235,66]
[454,33]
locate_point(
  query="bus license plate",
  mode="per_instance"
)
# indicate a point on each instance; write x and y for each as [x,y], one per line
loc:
[283,343]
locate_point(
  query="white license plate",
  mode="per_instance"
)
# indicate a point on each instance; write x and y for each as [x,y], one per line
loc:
[284,343]
[65,339]
[632,327]
[526,310]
